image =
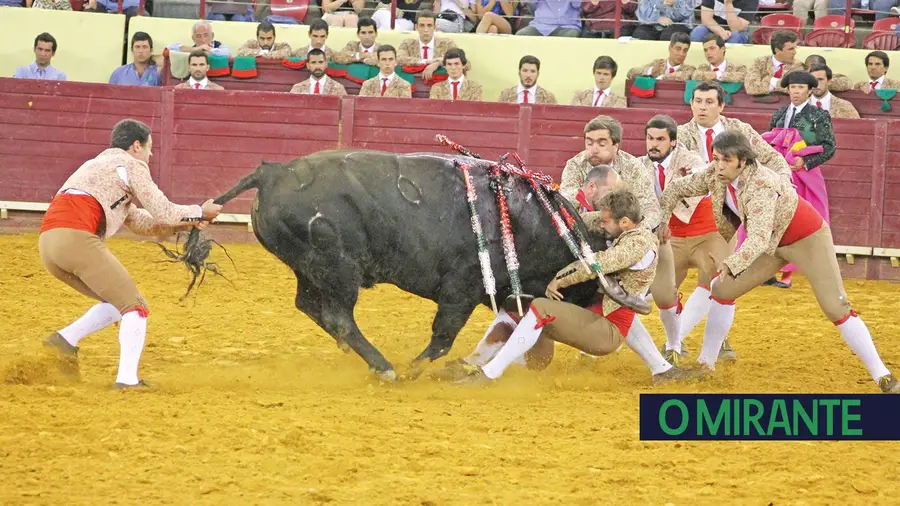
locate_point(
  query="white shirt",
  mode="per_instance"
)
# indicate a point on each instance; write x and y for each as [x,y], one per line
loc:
[598,91]
[430,47]
[825,100]
[792,111]
[382,77]
[878,82]
[717,129]
[730,201]
[774,81]
[532,94]
[721,72]
[364,50]
[203,84]
[459,88]
[312,85]
[665,165]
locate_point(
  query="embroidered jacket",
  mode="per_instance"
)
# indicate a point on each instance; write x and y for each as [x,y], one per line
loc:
[682,162]
[586,98]
[657,69]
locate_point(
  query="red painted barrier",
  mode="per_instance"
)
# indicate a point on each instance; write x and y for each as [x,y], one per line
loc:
[204,142]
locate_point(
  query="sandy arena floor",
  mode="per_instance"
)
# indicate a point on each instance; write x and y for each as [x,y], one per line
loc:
[254,404]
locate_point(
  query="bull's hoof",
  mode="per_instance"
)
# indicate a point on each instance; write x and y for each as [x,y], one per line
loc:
[388,376]
[344,346]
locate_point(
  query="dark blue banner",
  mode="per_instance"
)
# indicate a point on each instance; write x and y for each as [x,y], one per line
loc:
[775,417]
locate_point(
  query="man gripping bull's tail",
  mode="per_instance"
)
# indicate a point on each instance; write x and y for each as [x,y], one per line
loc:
[347,219]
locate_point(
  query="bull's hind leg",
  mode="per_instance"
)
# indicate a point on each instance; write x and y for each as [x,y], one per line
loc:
[309,300]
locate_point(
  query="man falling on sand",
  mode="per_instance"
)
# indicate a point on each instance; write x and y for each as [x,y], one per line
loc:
[90,207]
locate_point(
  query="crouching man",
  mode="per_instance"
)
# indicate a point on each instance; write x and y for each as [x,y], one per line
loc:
[601,328]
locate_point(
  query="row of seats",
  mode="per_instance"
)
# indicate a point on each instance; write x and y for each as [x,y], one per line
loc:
[830,31]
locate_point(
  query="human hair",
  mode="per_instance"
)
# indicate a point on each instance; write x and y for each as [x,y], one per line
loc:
[664,122]
[315,52]
[127,131]
[621,203]
[710,85]
[711,36]
[141,37]
[198,24]
[598,173]
[799,77]
[815,59]
[881,55]
[780,38]
[366,21]
[198,53]
[426,14]
[530,59]
[456,53]
[605,62]
[818,67]
[319,24]
[735,144]
[607,123]
[45,37]
[386,48]
[265,27]
[680,38]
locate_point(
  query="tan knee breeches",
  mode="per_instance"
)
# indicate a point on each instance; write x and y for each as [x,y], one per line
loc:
[694,252]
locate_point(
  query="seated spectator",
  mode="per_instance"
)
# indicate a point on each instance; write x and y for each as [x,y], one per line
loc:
[802,8]
[143,71]
[454,16]
[765,73]
[382,18]
[318,83]
[53,5]
[318,34]
[198,64]
[428,49]
[265,46]
[673,68]
[882,8]
[203,37]
[729,19]
[387,83]
[342,12]
[44,51]
[229,10]
[823,99]
[605,69]
[840,82]
[458,86]
[877,63]
[129,7]
[13,3]
[555,18]
[496,16]
[660,19]
[527,91]
[717,68]
[599,18]
[362,50]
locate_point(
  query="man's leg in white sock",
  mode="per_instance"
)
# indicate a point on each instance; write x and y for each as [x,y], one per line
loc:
[856,335]
[96,318]
[132,333]
[523,339]
[639,340]
[718,324]
[491,343]
[671,320]
[695,309]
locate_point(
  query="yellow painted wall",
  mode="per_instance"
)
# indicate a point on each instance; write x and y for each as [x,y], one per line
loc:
[89,44]
[566,63]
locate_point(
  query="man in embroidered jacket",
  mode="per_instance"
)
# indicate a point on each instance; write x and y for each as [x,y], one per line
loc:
[91,206]
[601,95]
[387,83]
[458,86]
[362,50]
[823,98]
[264,46]
[765,72]
[717,67]
[673,68]
[318,83]
[198,64]
[528,91]
[781,228]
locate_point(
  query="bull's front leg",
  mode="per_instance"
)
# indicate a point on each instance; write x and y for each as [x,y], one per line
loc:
[449,320]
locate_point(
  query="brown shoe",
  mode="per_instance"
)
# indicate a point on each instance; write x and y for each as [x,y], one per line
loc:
[140,385]
[453,370]
[678,374]
[475,377]
[58,343]
[889,384]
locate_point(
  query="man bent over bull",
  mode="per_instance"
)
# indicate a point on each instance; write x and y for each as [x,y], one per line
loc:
[91,207]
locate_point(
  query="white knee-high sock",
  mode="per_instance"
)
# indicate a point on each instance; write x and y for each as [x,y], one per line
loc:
[695,309]
[639,340]
[858,338]
[718,323]
[485,351]
[671,321]
[132,333]
[96,318]
[522,340]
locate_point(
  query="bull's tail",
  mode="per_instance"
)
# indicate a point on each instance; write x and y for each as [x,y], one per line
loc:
[247,183]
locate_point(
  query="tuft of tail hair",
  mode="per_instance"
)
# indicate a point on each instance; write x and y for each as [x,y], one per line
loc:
[198,246]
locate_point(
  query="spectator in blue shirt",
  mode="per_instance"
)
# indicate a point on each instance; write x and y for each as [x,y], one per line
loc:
[660,19]
[129,7]
[557,18]
[44,51]
[143,71]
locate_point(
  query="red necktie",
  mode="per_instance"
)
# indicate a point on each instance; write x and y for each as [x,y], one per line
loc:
[709,141]
[424,52]
[384,81]
[526,97]
[779,71]
[662,176]
[716,69]
[874,84]
[196,86]
[733,193]
[316,90]
[599,96]
[671,70]
[819,104]
[455,89]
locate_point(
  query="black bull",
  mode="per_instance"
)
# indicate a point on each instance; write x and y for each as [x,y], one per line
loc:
[349,219]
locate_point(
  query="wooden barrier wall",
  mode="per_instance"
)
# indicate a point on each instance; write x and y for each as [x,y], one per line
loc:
[204,142]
